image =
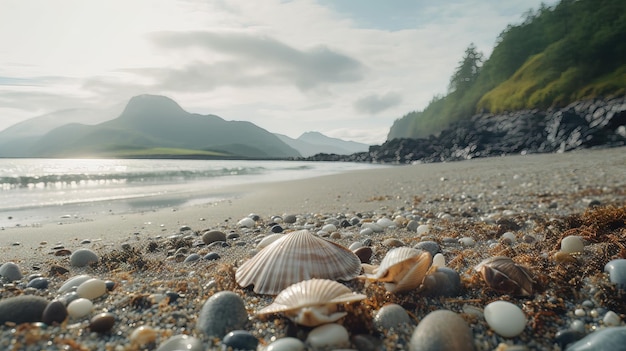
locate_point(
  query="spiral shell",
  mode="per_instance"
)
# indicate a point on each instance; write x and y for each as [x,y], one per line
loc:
[312,302]
[402,269]
[296,257]
[506,276]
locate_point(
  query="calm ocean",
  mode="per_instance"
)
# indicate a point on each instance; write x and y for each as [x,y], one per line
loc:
[41,190]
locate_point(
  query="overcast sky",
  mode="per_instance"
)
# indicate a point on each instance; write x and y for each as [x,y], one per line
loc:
[346,68]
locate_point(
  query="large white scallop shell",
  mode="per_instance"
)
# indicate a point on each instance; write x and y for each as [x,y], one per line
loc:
[312,302]
[296,257]
[402,269]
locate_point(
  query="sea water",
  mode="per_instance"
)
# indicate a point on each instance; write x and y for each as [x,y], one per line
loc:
[35,190]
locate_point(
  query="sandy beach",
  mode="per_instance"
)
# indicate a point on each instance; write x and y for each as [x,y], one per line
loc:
[457,200]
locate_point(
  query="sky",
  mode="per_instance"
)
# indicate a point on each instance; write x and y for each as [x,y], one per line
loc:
[346,68]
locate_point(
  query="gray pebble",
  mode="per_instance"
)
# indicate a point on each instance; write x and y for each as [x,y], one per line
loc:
[221,313]
[83,257]
[567,336]
[212,236]
[192,258]
[611,338]
[212,256]
[22,309]
[442,330]
[412,225]
[240,340]
[290,219]
[443,282]
[10,272]
[181,342]
[428,245]
[391,316]
[38,283]
[617,272]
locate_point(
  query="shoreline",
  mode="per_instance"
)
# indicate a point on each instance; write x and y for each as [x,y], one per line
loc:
[466,205]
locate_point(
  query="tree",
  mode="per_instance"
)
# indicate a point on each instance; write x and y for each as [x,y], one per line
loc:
[467,71]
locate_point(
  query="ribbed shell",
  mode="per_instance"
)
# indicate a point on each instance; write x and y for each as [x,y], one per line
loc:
[403,269]
[296,257]
[504,275]
[309,293]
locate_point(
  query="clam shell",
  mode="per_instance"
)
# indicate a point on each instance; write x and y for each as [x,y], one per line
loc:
[312,302]
[296,257]
[402,269]
[504,275]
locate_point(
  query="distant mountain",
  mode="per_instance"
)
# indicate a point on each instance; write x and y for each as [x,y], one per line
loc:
[311,143]
[156,126]
[28,131]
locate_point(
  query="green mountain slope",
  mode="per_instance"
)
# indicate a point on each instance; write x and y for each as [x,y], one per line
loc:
[151,124]
[572,51]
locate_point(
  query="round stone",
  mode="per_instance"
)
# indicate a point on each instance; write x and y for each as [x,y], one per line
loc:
[393,242]
[212,236]
[180,343]
[572,244]
[611,319]
[79,308]
[83,257]
[508,237]
[422,229]
[143,335]
[385,222]
[290,219]
[55,312]
[467,241]
[212,256]
[246,223]
[610,338]
[328,336]
[276,229]
[442,330]
[74,282]
[505,318]
[443,282]
[10,272]
[192,258]
[430,246]
[22,309]
[92,289]
[617,272]
[439,260]
[391,316]
[102,322]
[240,340]
[221,313]
[286,344]
[39,283]
[412,225]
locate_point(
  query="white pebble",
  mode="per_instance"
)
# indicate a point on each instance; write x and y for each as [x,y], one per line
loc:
[92,289]
[505,318]
[423,229]
[286,344]
[572,244]
[508,236]
[577,325]
[330,336]
[611,319]
[79,308]
[329,228]
[366,231]
[74,282]
[467,241]
[385,222]
[439,260]
[143,335]
[579,312]
[246,223]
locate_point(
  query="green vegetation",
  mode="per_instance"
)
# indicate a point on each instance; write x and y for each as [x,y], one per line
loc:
[572,51]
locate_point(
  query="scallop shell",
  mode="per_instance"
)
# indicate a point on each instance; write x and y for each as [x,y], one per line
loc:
[296,257]
[402,269]
[312,302]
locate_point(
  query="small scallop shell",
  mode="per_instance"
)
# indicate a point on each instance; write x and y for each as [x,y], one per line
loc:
[402,269]
[312,302]
[506,276]
[296,257]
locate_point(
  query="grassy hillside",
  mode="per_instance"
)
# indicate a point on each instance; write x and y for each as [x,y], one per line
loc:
[572,51]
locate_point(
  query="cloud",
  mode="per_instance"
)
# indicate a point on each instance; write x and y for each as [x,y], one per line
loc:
[241,59]
[375,103]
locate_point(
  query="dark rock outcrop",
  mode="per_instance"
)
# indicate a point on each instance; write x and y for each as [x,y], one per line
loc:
[580,125]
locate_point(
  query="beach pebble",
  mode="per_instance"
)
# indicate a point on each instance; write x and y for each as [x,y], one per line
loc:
[22,309]
[393,242]
[211,256]
[180,343]
[439,260]
[74,282]
[83,257]
[366,231]
[92,289]
[617,272]
[505,318]
[430,246]
[508,237]
[286,344]
[423,229]
[611,319]
[385,222]
[11,272]
[290,219]
[364,254]
[143,335]
[611,338]
[79,308]
[467,241]
[329,228]
[572,244]
[567,336]
[240,340]
[442,330]
[328,336]
[55,311]
[192,258]
[443,282]
[212,236]
[102,322]
[221,313]
[246,223]
[391,316]
[39,283]
[412,225]
[373,226]
[276,229]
